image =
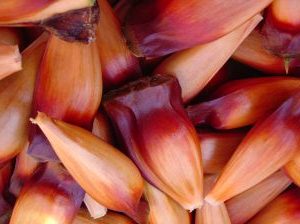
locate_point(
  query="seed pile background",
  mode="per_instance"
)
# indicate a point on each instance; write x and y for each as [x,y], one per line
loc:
[149,112]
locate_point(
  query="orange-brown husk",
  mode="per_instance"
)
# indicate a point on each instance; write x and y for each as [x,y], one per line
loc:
[268,146]
[281,28]
[284,209]
[164,209]
[154,129]
[160,27]
[212,214]
[118,186]
[196,66]
[253,53]
[16,92]
[68,87]
[66,66]
[118,63]
[243,102]
[245,205]
[51,196]
[209,213]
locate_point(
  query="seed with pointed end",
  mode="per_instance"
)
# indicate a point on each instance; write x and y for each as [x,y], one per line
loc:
[24,168]
[245,205]
[186,65]
[284,209]
[281,29]
[243,102]
[164,209]
[209,213]
[118,63]
[159,27]
[292,169]
[212,214]
[95,209]
[252,52]
[152,125]
[268,146]
[52,196]
[110,218]
[66,66]
[15,102]
[32,11]
[105,173]
[102,130]
[217,148]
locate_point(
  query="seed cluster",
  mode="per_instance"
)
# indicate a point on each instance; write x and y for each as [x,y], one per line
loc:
[149,112]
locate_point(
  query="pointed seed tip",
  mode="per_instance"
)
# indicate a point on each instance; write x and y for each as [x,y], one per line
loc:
[211,200]
[193,207]
[259,17]
[32,120]
[286,62]
[40,116]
